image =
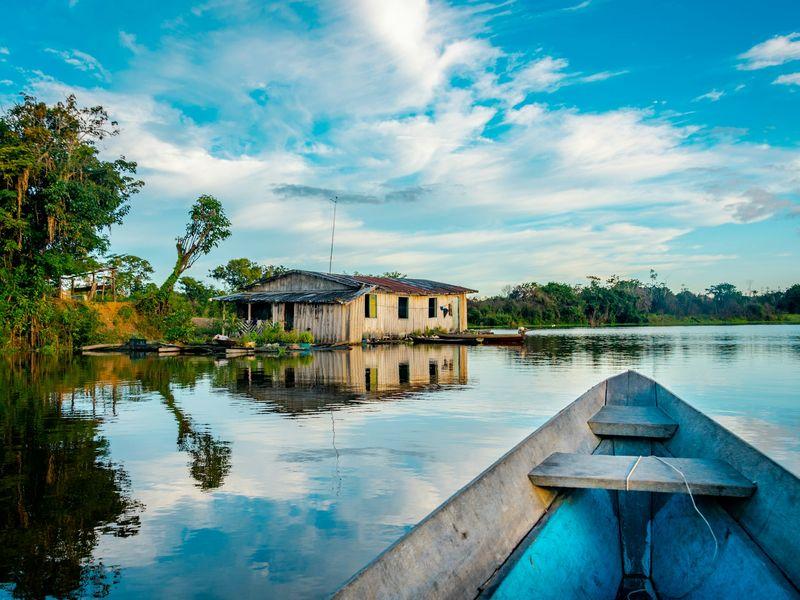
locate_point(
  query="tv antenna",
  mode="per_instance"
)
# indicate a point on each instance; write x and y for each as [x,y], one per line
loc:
[335,200]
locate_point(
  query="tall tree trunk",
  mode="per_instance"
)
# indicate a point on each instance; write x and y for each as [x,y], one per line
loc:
[177,271]
[22,188]
[169,284]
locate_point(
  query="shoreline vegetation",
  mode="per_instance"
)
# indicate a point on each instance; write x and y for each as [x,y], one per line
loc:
[59,198]
[617,302]
[783,320]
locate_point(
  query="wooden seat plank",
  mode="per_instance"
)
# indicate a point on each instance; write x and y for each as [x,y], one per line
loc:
[633,421]
[705,476]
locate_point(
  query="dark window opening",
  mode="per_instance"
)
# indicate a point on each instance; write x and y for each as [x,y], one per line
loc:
[262,311]
[431,308]
[433,371]
[371,306]
[402,308]
[288,316]
[241,311]
[404,373]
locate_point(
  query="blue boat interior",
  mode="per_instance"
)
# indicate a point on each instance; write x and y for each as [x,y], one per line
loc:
[631,522]
[628,492]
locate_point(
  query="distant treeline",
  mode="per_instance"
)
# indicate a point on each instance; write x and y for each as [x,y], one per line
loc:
[629,301]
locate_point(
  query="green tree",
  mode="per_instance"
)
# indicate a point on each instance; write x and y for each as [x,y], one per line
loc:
[199,294]
[239,273]
[790,302]
[726,299]
[57,202]
[207,227]
[133,273]
[196,291]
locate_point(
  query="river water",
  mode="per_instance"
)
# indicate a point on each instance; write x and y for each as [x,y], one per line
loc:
[264,477]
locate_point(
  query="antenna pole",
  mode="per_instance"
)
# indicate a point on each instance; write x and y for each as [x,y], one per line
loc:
[335,199]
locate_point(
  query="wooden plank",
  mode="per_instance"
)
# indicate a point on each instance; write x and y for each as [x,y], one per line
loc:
[583,471]
[633,421]
[705,477]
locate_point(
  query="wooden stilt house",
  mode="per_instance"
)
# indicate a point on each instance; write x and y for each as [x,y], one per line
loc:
[348,308]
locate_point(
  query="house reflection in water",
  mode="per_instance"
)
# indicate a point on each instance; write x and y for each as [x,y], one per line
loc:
[333,379]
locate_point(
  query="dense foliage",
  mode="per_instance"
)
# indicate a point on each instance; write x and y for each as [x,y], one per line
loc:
[57,201]
[628,301]
[238,273]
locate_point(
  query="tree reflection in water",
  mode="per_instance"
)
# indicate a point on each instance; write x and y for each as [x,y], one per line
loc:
[59,490]
[210,456]
[595,349]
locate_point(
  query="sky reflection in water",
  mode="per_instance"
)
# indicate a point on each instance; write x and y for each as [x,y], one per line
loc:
[280,478]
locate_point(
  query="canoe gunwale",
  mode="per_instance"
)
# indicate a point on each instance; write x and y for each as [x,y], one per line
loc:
[430,561]
[393,570]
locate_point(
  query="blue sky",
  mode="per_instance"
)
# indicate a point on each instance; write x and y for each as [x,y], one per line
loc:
[480,143]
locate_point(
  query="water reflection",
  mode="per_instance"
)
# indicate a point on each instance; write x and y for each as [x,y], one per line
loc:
[210,456]
[566,349]
[280,477]
[336,379]
[59,488]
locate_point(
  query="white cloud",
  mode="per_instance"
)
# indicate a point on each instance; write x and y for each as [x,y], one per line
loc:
[4,50]
[788,79]
[6,82]
[82,61]
[601,76]
[416,96]
[128,40]
[711,96]
[775,51]
[580,6]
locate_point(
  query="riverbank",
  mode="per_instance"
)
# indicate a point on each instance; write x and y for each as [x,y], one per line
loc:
[656,321]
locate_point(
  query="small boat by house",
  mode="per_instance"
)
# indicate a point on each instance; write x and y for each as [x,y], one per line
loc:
[487,337]
[628,492]
[441,339]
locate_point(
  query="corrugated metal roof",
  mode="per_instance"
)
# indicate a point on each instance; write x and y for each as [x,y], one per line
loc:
[413,286]
[310,297]
[391,284]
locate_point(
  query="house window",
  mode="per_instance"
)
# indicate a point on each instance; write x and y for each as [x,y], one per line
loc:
[402,307]
[262,311]
[433,371]
[371,306]
[404,373]
[431,308]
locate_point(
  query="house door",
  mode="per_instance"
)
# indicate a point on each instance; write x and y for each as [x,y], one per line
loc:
[288,316]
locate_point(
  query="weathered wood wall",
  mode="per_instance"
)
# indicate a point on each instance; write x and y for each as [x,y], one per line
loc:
[298,282]
[336,323]
[387,323]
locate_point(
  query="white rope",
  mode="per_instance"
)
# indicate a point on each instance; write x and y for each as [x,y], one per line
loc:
[691,497]
[628,478]
[694,504]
